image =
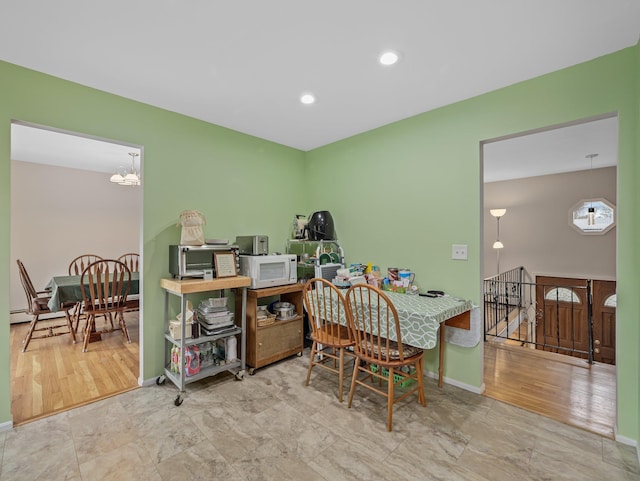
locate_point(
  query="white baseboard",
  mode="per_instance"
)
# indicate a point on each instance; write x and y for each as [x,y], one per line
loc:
[21,317]
[8,426]
[455,382]
[147,382]
[625,440]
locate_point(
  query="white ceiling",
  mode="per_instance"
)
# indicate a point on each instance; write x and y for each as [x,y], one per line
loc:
[243,65]
[44,146]
[553,151]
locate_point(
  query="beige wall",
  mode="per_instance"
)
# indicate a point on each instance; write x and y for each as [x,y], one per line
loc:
[536,232]
[59,213]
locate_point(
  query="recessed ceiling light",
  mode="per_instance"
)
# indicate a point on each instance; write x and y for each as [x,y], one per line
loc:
[307,99]
[389,57]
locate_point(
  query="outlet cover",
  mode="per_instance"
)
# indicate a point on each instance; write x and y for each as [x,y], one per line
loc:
[459,252]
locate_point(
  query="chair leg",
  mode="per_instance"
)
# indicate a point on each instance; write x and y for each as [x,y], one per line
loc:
[76,316]
[32,327]
[312,357]
[390,398]
[354,377]
[341,372]
[91,321]
[109,317]
[70,325]
[419,374]
[123,325]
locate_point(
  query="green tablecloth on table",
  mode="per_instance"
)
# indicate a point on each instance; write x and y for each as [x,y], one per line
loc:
[67,289]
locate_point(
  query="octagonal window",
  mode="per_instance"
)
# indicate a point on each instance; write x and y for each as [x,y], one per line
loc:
[593,216]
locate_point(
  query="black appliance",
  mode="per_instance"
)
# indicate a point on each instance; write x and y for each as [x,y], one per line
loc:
[320,226]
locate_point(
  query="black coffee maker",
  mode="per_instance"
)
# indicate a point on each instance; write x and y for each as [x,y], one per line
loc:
[320,226]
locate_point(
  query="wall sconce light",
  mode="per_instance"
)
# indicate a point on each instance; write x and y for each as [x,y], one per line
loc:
[497,245]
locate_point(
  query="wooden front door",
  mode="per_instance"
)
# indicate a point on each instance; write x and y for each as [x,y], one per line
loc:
[604,321]
[563,317]
[562,308]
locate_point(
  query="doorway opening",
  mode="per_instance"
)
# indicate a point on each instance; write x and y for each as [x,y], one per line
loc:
[63,205]
[534,180]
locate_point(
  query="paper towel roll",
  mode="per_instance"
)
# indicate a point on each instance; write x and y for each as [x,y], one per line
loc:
[231,348]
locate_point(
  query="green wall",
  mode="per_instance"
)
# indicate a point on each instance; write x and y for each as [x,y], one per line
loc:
[236,180]
[632,251]
[400,195]
[403,193]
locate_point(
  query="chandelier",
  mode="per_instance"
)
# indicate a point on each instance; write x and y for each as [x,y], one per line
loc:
[127,177]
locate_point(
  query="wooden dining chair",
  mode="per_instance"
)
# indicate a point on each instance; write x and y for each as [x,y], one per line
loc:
[76,267]
[105,285]
[373,320]
[331,337]
[132,261]
[37,305]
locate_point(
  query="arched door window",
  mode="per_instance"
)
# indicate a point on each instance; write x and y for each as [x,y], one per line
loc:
[611,301]
[562,294]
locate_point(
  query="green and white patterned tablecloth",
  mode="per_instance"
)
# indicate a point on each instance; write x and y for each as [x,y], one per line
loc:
[421,317]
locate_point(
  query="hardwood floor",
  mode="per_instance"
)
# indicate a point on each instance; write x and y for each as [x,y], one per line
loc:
[560,387]
[55,375]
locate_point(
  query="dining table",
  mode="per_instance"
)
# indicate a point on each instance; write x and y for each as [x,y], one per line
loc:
[65,289]
[422,320]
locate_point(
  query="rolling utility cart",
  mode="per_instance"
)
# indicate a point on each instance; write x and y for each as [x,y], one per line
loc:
[182,288]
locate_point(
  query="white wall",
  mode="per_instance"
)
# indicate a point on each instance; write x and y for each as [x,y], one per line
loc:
[535,230]
[58,214]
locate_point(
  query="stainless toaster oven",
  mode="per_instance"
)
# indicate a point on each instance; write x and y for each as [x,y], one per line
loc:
[196,261]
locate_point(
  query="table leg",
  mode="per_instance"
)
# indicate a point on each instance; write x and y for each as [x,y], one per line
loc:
[461,321]
[441,356]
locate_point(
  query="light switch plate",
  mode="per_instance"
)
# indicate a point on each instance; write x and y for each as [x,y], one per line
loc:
[459,252]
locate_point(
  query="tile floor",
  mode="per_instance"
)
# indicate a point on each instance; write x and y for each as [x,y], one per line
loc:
[271,427]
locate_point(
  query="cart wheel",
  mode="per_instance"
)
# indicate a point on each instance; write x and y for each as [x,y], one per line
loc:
[252,371]
[161,380]
[239,375]
[178,400]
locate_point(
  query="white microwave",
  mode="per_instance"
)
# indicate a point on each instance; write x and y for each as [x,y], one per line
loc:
[270,270]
